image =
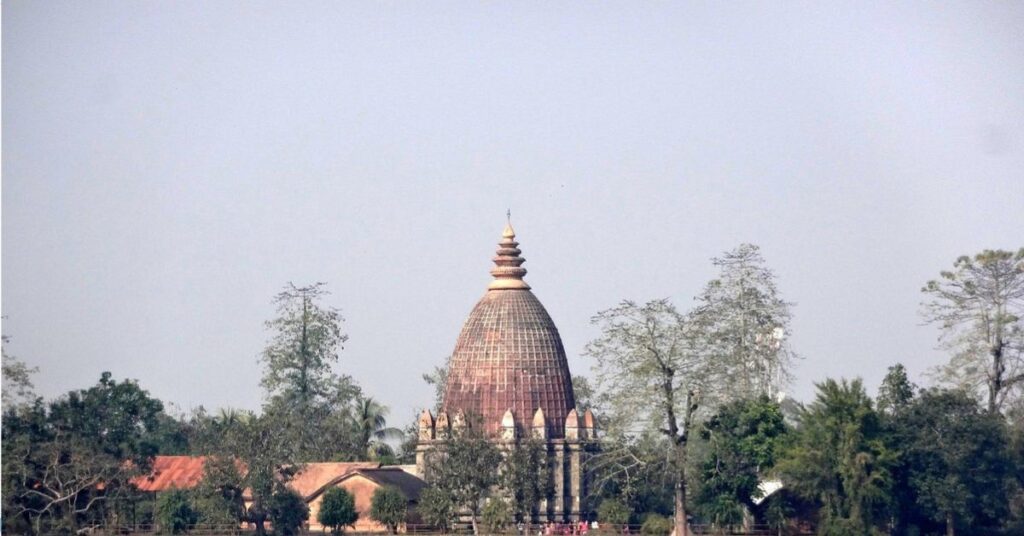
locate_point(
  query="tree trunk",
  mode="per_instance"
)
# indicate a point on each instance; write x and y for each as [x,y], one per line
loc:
[472,518]
[679,525]
[950,528]
[69,516]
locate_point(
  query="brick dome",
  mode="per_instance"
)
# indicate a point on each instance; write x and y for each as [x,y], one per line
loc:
[509,355]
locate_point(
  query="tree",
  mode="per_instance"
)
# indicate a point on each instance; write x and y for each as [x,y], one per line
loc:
[174,513]
[65,457]
[652,368]
[287,511]
[438,379]
[613,512]
[338,510]
[388,507]
[436,508]
[218,497]
[979,305]
[956,455]
[496,515]
[584,393]
[896,391]
[742,440]
[746,323]
[465,471]
[298,376]
[265,449]
[838,458]
[17,379]
[372,429]
[525,477]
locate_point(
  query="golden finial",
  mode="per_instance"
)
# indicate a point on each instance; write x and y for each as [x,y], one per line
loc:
[508,271]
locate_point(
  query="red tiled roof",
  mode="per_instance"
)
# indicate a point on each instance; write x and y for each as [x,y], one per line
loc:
[183,472]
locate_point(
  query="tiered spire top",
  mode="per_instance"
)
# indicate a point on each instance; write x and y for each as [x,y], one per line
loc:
[508,271]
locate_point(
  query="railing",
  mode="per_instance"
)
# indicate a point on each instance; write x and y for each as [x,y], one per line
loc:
[515,530]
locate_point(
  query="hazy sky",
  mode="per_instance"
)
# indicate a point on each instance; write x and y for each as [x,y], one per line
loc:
[169,166]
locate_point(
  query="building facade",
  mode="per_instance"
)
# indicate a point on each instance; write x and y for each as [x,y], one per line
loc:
[509,373]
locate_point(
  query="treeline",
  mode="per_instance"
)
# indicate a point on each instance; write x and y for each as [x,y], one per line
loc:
[695,428]
[68,462]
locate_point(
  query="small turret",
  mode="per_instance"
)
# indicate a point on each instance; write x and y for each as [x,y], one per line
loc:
[426,425]
[508,426]
[441,427]
[572,425]
[540,425]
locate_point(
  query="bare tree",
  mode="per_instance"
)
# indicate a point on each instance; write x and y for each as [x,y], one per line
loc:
[652,370]
[979,305]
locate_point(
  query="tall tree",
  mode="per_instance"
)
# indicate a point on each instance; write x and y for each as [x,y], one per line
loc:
[838,458]
[298,376]
[747,322]
[651,368]
[979,305]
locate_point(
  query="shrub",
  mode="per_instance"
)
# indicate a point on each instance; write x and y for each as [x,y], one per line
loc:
[287,512]
[656,524]
[496,515]
[338,510]
[436,508]
[174,512]
[388,507]
[613,512]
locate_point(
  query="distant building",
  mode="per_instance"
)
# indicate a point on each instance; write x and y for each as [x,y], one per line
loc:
[361,479]
[509,369]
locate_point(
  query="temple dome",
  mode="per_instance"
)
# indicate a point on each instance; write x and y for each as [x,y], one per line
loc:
[509,355]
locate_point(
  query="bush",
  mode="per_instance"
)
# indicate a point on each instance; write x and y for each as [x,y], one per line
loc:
[174,512]
[287,512]
[613,512]
[656,524]
[496,515]
[436,508]
[338,510]
[388,507]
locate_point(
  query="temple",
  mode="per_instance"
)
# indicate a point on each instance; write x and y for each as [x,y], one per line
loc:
[508,373]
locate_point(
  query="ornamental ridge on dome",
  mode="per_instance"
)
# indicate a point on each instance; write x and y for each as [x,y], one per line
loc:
[508,268]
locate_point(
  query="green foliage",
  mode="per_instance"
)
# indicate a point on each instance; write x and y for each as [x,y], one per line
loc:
[656,524]
[979,305]
[741,440]
[313,405]
[957,461]
[174,512]
[584,393]
[338,510]
[525,477]
[55,455]
[218,498]
[388,507]
[372,429]
[613,512]
[287,511]
[438,378]
[465,472]
[436,508]
[496,516]
[17,380]
[896,391]
[837,457]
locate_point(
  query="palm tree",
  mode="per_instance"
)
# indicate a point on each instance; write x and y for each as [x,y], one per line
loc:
[372,429]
